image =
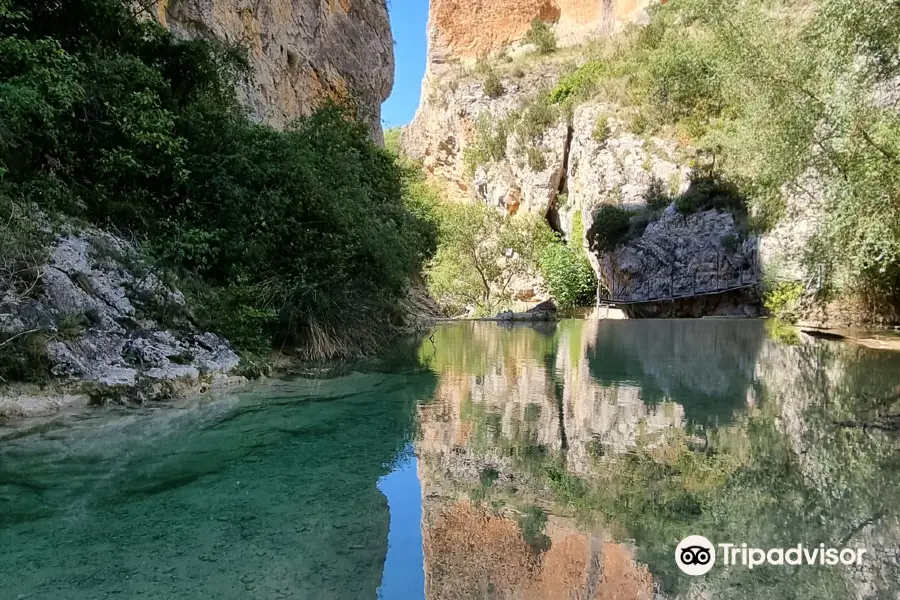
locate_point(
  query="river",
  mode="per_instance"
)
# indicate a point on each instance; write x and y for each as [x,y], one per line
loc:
[560,461]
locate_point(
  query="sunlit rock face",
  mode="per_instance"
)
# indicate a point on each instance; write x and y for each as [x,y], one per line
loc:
[467,29]
[459,32]
[303,52]
[583,159]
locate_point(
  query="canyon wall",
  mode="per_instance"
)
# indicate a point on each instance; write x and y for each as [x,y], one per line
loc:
[579,162]
[302,51]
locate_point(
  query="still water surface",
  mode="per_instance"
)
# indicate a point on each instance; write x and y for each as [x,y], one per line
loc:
[556,462]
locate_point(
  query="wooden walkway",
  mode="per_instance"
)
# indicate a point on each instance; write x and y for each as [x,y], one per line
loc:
[608,301]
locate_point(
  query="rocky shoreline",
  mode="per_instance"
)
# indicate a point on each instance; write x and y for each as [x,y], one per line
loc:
[101,325]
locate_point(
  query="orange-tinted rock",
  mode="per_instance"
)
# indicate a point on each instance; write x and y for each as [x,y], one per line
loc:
[461,29]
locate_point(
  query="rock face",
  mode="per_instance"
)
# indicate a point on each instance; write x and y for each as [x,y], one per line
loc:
[586,159]
[99,315]
[467,29]
[302,51]
[709,271]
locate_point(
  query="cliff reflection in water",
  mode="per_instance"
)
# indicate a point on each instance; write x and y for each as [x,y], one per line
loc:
[568,461]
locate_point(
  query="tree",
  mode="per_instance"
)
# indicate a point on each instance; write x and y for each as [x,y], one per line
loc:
[480,253]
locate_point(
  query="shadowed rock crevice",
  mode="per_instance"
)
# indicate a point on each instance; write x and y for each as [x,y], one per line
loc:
[562,188]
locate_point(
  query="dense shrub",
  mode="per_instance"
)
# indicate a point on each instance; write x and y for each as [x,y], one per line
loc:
[610,228]
[782,299]
[601,130]
[541,36]
[298,237]
[708,192]
[392,140]
[566,270]
[655,196]
[578,84]
[536,159]
[492,85]
[539,116]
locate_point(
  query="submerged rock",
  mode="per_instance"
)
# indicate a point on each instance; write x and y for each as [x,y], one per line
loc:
[545,311]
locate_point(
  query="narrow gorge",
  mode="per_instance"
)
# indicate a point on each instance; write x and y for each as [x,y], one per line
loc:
[555,308]
[624,110]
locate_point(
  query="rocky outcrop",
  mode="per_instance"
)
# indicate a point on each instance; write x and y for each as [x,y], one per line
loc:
[302,51]
[685,265]
[577,163]
[562,164]
[106,326]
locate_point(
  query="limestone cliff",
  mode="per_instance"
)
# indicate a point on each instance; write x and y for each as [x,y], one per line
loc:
[559,161]
[578,163]
[302,51]
[105,326]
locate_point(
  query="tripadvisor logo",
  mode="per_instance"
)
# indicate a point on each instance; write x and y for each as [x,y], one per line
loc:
[696,555]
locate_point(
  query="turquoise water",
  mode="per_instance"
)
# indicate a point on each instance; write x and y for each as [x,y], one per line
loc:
[559,461]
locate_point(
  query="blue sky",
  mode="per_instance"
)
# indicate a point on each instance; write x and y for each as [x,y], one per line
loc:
[408,21]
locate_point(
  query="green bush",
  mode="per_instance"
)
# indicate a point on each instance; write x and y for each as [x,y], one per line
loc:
[300,238]
[536,159]
[566,271]
[655,196]
[708,192]
[640,123]
[392,138]
[578,84]
[601,130]
[23,246]
[23,357]
[610,228]
[492,86]
[541,36]
[483,65]
[782,299]
[730,242]
[539,116]
[489,142]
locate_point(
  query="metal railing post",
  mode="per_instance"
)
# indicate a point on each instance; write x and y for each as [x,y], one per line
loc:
[718,259]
